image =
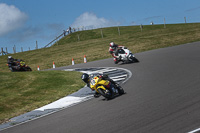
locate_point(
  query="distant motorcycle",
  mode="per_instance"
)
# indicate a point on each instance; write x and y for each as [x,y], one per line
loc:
[126,56]
[19,66]
[105,87]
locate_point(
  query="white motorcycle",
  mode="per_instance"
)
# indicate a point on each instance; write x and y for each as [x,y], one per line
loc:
[126,56]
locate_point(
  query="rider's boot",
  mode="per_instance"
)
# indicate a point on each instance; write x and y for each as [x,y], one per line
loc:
[115,60]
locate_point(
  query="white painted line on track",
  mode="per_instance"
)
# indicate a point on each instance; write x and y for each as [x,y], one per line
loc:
[116,77]
[104,70]
[196,130]
[119,79]
[64,102]
[98,71]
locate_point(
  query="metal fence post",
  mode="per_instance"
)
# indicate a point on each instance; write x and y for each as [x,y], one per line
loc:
[14,49]
[164,23]
[101,33]
[185,20]
[2,51]
[141,27]
[118,30]
[36,45]
[78,38]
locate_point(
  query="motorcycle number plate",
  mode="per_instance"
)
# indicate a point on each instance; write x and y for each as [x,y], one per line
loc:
[93,82]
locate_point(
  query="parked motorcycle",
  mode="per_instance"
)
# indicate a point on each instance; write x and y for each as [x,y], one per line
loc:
[105,87]
[126,56]
[19,66]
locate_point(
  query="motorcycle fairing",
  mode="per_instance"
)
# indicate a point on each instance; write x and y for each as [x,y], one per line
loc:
[97,83]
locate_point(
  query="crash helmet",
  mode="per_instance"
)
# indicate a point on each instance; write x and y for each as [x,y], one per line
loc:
[112,44]
[85,77]
[9,57]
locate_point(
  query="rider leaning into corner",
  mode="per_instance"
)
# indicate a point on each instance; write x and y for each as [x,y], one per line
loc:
[86,78]
[114,51]
[12,63]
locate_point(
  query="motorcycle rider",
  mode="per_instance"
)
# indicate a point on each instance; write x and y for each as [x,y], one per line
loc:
[86,78]
[12,64]
[114,51]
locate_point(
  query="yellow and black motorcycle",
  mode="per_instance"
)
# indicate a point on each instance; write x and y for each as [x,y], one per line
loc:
[18,65]
[105,87]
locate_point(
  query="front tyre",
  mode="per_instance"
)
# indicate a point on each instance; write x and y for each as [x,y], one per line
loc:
[105,93]
[134,59]
[120,90]
[27,68]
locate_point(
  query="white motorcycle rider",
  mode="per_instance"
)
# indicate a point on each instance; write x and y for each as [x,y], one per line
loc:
[126,56]
[121,53]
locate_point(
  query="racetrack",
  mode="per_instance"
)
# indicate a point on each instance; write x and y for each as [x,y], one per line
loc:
[162,96]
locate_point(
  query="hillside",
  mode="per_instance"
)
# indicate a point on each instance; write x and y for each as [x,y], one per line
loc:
[95,47]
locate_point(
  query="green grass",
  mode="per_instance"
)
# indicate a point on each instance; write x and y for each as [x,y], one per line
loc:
[22,92]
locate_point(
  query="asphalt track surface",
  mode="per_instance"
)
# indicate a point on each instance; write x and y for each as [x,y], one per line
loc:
[162,96]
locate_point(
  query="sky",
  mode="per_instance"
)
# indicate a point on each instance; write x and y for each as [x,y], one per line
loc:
[23,22]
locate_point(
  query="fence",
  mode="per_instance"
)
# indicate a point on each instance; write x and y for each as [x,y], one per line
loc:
[54,41]
[4,52]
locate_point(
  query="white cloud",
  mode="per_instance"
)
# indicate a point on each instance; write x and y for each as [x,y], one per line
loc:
[11,18]
[90,20]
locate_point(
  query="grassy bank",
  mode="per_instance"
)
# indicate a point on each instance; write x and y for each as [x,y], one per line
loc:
[22,92]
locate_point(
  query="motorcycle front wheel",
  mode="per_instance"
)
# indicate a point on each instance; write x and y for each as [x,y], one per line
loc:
[27,68]
[134,59]
[105,93]
[120,90]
